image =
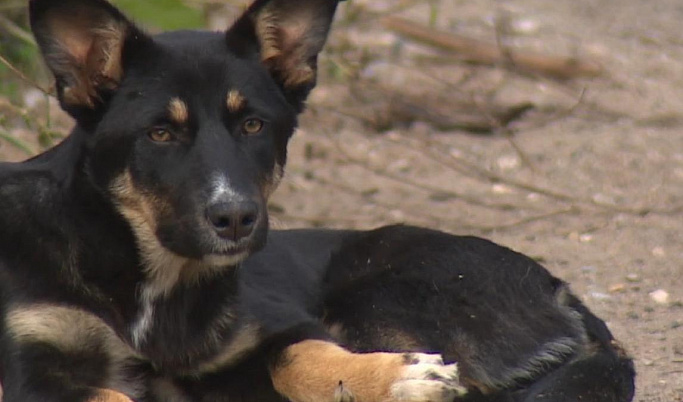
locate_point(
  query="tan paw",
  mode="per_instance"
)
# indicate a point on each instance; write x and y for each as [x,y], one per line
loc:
[426,378]
[107,395]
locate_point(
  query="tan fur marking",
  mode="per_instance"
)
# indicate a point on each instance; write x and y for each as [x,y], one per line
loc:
[244,341]
[337,331]
[273,181]
[107,395]
[279,49]
[236,101]
[70,329]
[142,211]
[163,267]
[394,339]
[178,111]
[311,371]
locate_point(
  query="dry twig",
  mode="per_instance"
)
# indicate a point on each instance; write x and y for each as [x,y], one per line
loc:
[476,51]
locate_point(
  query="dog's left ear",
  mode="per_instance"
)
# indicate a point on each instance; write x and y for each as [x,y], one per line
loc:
[289,35]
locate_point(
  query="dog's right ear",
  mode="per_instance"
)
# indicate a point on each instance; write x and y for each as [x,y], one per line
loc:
[82,42]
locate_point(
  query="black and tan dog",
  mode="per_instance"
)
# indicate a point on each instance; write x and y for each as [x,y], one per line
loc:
[136,263]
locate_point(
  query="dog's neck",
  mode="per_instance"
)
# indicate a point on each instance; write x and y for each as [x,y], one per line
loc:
[140,285]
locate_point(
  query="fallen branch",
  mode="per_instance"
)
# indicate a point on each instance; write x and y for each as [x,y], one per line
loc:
[476,51]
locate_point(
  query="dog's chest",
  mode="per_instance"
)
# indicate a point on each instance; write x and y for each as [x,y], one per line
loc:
[194,329]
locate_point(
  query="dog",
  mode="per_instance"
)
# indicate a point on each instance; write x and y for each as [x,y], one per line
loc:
[136,262]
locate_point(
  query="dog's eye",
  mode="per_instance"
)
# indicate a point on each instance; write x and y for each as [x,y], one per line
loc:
[252,126]
[159,134]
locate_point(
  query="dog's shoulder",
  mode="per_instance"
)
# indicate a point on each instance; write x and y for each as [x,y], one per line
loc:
[282,285]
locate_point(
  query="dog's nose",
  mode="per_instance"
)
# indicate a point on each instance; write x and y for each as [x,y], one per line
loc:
[233,220]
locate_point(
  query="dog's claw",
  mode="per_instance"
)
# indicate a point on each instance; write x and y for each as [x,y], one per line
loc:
[343,394]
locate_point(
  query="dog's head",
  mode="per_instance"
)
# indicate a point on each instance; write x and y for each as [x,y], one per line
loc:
[185,131]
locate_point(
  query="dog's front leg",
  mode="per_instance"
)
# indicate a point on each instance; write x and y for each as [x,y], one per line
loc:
[107,395]
[311,371]
[64,354]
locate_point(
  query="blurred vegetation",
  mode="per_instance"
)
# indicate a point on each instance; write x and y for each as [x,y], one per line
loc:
[21,68]
[17,46]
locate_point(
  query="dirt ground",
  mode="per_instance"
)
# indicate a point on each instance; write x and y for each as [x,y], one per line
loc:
[618,153]
[589,181]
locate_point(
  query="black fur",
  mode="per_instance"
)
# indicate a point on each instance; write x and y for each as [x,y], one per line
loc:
[114,275]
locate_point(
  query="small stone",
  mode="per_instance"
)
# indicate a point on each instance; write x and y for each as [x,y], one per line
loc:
[659,252]
[660,296]
[600,296]
[603,199]
[533,197]
[501,189]
[397,215]
[508,162]
[401,165]
[525,26]
[585,238]
[633,278]
[456,153]
[617,288]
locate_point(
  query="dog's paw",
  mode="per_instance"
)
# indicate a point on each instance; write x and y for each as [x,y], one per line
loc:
[426,378]
[107,395]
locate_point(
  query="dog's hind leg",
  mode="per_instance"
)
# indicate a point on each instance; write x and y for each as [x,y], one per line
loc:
[602,373]
[515,331]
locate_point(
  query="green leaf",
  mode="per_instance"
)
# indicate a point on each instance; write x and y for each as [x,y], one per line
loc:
[162,14]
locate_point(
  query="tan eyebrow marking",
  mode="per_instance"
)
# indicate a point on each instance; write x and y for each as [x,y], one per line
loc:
[236,101]
[178,111]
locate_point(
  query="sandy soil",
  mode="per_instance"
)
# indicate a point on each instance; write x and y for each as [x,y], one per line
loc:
[618,154]
[594,189]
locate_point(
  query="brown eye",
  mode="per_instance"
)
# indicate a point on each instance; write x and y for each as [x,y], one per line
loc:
[160,135]
[252,126]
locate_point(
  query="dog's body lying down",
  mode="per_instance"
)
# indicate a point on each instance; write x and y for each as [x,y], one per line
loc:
[136,263]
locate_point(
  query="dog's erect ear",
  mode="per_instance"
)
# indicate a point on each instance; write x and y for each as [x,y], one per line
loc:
[289,35]
[82,42]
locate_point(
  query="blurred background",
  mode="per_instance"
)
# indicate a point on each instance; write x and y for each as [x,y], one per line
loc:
[555,128]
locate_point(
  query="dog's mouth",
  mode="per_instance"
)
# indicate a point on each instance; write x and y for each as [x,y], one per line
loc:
[220,252]
[225,259]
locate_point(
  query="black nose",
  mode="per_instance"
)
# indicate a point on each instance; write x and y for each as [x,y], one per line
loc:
[233,220]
